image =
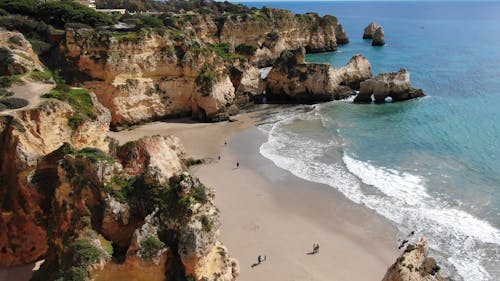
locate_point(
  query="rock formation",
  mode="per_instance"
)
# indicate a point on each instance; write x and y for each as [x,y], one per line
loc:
[293,80]
[395,85]
[378,37]
[370,30]
[414,265]
[16,54]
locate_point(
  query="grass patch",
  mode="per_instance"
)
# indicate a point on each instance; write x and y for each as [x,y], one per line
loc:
[23,55]
[127,37]
[223,51]
[41,75]
[80,101]
[86,253]
[94,155]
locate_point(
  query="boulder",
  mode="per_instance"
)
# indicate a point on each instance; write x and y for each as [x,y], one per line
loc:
[415,265]
[378,37]
[293,80]
[395,85]
[370,30]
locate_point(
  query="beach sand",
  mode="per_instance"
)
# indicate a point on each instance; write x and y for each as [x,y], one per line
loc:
[267,211]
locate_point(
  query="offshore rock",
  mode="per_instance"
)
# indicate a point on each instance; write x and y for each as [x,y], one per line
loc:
[341,35]
[415,265]
[395,85]
[378,37]
[369,31]
[293,80]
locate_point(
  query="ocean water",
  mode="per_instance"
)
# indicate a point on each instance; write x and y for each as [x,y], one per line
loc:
[430,165]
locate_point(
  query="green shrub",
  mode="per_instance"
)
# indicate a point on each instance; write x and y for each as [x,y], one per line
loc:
[14,103]
[60,13]
[5,60]
[7,81]
[86,253]
[150,247]
[273,36]
[40,47]
[3,12]
[245,49]
[75,273]
[150,21]
[93,154]
[119,187]
[22,7]
[30,28]
[16,40]
[2,107]
[206,78]
[5,93]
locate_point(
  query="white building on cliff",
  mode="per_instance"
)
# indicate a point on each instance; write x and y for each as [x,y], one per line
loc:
[88,3]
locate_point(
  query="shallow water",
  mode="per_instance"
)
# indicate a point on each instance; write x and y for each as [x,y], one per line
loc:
[429,165]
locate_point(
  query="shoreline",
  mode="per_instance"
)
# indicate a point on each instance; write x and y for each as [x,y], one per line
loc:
[268,211]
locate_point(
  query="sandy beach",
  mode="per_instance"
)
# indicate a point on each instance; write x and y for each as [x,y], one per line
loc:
[267,211]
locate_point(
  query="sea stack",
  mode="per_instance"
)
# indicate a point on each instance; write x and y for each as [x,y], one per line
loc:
[378,37]
[370,30]
[341,35]
[393,84]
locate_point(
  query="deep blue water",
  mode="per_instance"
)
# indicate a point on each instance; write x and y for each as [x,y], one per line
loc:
[431,164]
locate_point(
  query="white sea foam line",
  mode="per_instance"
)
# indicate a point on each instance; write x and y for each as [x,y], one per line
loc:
[301,163]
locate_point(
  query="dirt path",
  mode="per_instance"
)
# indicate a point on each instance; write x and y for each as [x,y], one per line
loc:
[30,91]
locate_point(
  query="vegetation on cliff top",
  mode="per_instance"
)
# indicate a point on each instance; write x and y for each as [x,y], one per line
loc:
[150,247]
[80,101]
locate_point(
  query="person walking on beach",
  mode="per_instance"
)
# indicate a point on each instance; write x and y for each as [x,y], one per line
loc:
[237,165]
[259,259]
[225,143]
[315,248]
[218,157]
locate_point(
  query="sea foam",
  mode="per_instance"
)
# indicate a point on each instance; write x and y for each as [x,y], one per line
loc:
[455,236]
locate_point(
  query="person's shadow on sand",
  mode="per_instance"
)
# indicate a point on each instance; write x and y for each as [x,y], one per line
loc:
[254,265]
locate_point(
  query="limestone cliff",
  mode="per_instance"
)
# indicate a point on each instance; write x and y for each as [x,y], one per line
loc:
[395,85]
[152,76]
[27,168]
[17,55]
[293,80]
[150,229]
[414,265]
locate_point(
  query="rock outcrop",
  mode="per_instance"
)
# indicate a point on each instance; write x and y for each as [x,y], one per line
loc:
[293,80]
[152,77]
[16,54]
[395,85]
[28,170]
[369,30]
[378,37]
[414,265]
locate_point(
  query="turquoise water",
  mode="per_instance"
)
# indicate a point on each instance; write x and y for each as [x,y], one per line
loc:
[430,165]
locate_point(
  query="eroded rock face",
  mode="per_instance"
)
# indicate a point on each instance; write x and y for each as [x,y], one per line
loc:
[159,157]
[28,172]
[395,85]
[293,80]
[152,77]
[415,265]
[369,30]
[378,37]
[273,30]
[17,55]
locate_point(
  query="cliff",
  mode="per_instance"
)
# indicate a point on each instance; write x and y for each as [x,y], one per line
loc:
[293,80]
[414,265]
[203,66]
